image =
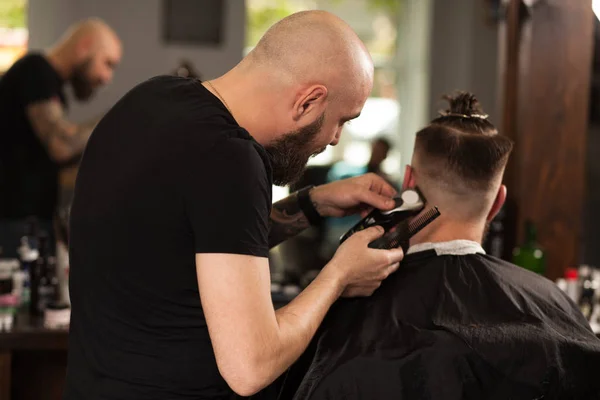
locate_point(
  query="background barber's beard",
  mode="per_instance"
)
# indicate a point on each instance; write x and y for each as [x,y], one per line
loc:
[83,87]
[290,153]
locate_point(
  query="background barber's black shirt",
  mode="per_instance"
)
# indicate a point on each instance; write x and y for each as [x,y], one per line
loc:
[452,327]
[28,177]
[166,174]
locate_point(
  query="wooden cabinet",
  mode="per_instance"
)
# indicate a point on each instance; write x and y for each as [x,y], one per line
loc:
[546,49]
[33,361]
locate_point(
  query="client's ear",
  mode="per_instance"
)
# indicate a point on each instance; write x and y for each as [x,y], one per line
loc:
[498,202]
[409,178]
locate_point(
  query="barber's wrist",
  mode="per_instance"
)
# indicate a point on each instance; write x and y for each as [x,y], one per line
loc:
[307,205]
[332,276]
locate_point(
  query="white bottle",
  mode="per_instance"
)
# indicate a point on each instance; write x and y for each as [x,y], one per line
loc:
[572,278]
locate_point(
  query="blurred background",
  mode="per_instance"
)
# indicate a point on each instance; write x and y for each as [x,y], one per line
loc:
[534,65]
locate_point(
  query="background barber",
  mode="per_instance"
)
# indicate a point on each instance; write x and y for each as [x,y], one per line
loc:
[36,138]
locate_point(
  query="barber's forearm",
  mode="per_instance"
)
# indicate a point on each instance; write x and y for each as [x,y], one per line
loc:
[299,320]
[253,343]
[63,139]
[72,140]
[286,220]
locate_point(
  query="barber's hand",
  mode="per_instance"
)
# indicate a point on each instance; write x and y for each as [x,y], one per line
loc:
[353,196]
[360,268]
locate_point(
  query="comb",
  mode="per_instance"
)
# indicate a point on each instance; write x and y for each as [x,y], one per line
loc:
[409,204]
[415,226]
[404,232]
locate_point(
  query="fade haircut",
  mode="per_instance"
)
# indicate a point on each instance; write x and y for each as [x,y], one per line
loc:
[462,146]
[459,159]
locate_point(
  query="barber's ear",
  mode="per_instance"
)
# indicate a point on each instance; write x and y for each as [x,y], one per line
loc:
[310,101]
[409,178]
[498,202]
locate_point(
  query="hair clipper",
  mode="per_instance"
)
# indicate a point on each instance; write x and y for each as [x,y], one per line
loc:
[405,230]
[408,204]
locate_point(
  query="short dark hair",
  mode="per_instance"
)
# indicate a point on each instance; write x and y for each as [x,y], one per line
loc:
[463,143]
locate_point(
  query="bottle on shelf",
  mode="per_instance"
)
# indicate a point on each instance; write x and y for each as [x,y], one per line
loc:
[530,255]
[9,291]
[587,291]
[44,282]
[572,284]
[32,231]
[28,257]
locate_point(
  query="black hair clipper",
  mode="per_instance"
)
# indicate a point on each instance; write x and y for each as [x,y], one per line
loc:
[400,237]
[408,204]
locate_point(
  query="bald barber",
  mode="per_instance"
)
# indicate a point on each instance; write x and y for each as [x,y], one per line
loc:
[169,279]
[36,138]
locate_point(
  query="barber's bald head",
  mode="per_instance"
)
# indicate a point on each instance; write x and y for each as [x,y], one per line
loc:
[315,47]
[459,160]
[315,74]
[93,50]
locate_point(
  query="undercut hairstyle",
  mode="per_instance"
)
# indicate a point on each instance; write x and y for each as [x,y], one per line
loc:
[461,150]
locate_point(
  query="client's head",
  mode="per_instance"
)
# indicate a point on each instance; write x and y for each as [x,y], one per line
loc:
[458,164]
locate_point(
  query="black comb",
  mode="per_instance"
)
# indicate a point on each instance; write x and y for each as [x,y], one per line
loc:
[409,204]
[415,226]
[405,231]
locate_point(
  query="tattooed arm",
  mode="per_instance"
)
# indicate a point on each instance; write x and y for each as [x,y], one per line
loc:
[286,220]
[336,199]
[62,139]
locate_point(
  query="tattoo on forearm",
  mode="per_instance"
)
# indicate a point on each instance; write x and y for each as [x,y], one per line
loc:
[287,220]
[62,139]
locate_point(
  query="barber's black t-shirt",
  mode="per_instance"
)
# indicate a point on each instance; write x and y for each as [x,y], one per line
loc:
[28,177]
[166,174]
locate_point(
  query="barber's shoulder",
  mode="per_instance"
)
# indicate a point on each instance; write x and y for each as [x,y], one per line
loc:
[239,149]
[30,68]
[159,84]
[239,163]
[175,84]
[31,60]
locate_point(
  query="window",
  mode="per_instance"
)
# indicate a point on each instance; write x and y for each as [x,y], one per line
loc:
[13,32]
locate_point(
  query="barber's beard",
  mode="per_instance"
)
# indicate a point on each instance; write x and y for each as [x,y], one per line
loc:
[83,87]
[290,153]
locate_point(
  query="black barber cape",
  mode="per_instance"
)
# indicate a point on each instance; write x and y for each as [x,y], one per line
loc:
[449,326]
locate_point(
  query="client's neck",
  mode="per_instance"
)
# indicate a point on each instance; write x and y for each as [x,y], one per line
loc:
[444,230]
